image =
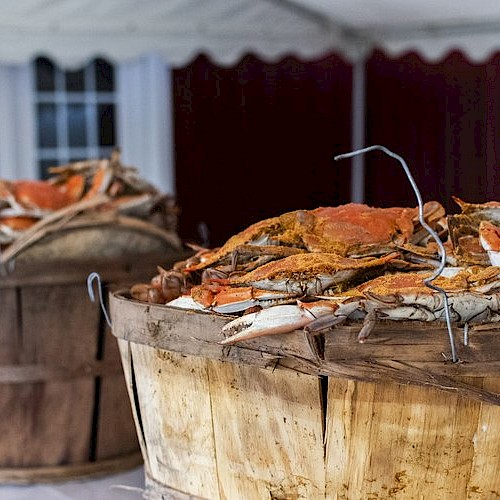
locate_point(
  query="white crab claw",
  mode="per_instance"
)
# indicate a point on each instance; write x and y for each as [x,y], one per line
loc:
[185,302]
[275,320]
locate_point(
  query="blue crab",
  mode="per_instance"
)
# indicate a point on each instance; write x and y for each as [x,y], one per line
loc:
[473,295]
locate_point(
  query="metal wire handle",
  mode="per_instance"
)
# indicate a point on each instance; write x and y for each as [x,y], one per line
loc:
[442,250]
[90,288]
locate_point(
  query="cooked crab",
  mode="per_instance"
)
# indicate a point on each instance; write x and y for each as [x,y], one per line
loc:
[348,230]
[489,210]
[283,281]
[464,231]
[108,176]
[352,230]
[472,296]
[305,238]
[26,197]
[489,237]
[128,193]
[24,202]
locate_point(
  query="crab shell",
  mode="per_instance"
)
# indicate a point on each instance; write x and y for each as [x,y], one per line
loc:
[282,282]
[352,230]
[24,202]
[313,273]
[472,295]
[489,210]
[47,196]
[489,237]
[472,232]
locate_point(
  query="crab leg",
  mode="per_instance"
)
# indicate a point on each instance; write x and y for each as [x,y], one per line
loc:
[276,320]
[345,308]
[368,325]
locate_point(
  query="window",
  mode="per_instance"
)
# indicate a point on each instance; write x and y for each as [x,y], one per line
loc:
[75,112]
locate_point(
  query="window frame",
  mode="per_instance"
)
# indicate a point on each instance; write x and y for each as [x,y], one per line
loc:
[143,120]
[90,98]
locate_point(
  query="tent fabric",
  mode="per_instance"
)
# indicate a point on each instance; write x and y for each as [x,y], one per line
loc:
[257,140]
[73,31]
[444,119]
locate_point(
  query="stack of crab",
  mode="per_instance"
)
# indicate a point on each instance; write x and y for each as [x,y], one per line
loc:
[82,187]
[314,269]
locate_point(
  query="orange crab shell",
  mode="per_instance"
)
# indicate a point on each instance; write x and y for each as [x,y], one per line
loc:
[339,229]
[310,265]
[207,295]
[48,196]
[100,182]
[18,223]
[413,282]
[345,229]
[489,235]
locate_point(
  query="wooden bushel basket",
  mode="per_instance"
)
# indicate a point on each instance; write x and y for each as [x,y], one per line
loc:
[63,399]
[295,416]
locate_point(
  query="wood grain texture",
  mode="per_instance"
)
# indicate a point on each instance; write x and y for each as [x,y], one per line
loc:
[403,352]
[12,398]
[268,432]
[175,410]
[274,432]
[62,391]
[125,349]
[57,414]
[385,440]
[220,430]
[485,469]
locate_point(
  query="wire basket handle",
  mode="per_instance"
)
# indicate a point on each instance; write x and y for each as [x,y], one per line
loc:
[90,288]
[442,250]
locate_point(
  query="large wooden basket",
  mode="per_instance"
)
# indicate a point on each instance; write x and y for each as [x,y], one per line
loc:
[294,416]
[63,399]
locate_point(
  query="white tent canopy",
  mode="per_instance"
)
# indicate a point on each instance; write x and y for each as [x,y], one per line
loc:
[143,37]
[72,31]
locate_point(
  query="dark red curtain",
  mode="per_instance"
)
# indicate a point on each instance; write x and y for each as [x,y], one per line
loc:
[443,118]
[257,139]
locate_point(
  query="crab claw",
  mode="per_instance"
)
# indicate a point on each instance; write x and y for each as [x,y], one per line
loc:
[220,298]
[185,302]
[276,320]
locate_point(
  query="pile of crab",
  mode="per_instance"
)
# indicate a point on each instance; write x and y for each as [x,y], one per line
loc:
[97,185]
[315,269]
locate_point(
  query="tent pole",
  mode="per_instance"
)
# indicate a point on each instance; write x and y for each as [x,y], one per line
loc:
[358,130]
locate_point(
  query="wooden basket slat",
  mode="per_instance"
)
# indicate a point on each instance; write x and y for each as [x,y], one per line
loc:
[399,441]
[305,426]
[180,441]
[413,342]
[66,404]
[58,420]
[9,326]
[420,357]
[262,453]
